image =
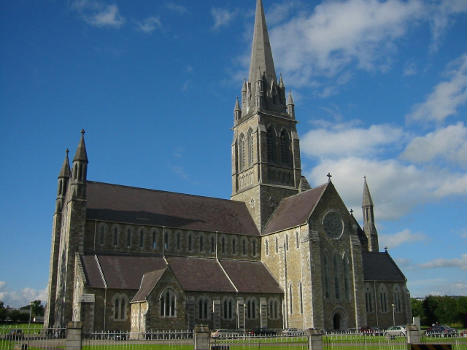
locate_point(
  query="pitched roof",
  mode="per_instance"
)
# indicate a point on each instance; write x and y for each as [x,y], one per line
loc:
[118,271]
[379,266]
[250,276]
[194,274]
[294,210]
[177,210]
[148,282]
[200,274]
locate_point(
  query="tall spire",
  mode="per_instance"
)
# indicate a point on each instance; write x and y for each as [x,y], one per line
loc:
[369,219]
[81,150]
[261,54]
[367,201]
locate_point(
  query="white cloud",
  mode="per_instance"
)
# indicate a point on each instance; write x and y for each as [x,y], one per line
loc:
[449,143]
[442,263]
[98,14]
[445,98]
[337,33]
[17,298]
[410,69]
[343,140]
[149,24]
[222,17]
[442,14]
[180,9]
[396,187]
[397,239]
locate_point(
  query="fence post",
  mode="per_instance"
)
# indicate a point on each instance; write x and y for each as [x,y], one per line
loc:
[74,336]
[315,339]
[202,337]
[413,334]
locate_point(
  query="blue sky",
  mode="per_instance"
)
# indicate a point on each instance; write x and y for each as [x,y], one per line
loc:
[379,88]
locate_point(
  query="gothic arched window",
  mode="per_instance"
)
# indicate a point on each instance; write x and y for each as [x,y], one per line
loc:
[168,302]
[154,239]
[253,243]
[119,307]
[102,231]
[115,236]
[251,309]
[201,242]
[273,309]
[326,276]
[270,141]
[250,147]
[241,151]
[383,299]
[141,238]
[368,299]
[128,237]
[190,242]
[285,147]
[397,299]
[234,245]
[336,278]
[345,263]
[228,309]
[203,308]
[243,246]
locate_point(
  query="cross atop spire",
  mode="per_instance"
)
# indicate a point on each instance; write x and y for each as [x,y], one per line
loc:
[81,154]
[261,55]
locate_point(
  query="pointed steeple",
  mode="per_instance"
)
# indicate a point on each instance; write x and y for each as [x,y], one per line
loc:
[65,172]
[261,54]
[237,110]
[369,219]
[81,154]
[367,201]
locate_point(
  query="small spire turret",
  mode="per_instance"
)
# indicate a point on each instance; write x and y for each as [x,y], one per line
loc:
[237,110]
[79,172]
[63,177]
[369,219]
[290,106]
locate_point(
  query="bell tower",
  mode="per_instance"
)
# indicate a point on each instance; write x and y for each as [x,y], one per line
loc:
[265,149]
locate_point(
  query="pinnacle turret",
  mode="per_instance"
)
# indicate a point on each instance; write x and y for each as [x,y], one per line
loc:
[65,171]
[81,154]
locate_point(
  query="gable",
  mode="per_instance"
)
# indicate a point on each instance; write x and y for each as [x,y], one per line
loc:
[294,210]
[379,266]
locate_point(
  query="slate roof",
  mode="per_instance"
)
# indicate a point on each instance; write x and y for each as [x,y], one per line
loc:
[294,210]
[119,272]
[250,276]
[200,275]
[194,274]
[148,282]
[379,266]
[176,210]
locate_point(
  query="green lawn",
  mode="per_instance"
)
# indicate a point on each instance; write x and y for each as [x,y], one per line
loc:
[26,327]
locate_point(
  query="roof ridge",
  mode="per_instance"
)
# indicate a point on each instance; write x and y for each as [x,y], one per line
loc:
[164,191]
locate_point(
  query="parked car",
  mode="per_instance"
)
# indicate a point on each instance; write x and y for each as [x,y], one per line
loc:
[441,331]
[371,331]
[225,333]
[263,332]
[15,334]
[397,331]
[292,332]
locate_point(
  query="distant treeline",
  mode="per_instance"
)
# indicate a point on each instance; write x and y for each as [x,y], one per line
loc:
[22,314]
[442,310]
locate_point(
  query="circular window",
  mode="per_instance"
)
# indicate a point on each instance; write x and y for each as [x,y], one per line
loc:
[333,225]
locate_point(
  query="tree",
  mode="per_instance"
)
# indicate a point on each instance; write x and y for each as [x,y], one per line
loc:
[417,308]
[3,311]
[37,308]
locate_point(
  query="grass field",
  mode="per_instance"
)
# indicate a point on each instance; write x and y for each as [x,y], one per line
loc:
[26,327]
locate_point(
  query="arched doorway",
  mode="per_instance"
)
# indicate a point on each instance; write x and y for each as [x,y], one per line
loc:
[336,321]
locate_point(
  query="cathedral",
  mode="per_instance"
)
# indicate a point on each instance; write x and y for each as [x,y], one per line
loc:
[278,254]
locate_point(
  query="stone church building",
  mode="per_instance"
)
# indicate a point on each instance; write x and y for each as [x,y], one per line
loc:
[277,254]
